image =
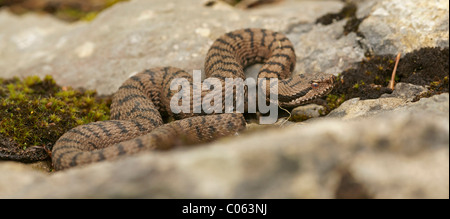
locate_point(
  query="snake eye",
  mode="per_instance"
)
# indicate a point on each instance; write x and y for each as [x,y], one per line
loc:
[314,85]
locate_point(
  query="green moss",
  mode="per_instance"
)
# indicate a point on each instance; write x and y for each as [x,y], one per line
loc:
[110,3]
[369,79]
[357,85]
[299,118]
[235,2]
[70,14]
[333,102]
[435,87]
[90,16]
[65,10]
[37,111]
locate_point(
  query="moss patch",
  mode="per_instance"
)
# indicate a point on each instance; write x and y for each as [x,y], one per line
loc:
[36,112]
[67,10]
[348,11]
[370,78]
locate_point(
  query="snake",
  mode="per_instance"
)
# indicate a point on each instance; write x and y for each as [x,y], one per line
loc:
[137,109]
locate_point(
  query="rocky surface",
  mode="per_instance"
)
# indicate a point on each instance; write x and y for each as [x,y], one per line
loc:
[397,153]
[383,148]
[103,53]
[403,26]
[308,111]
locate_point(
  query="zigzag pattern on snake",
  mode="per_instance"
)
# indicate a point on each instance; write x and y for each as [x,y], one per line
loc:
[136,123]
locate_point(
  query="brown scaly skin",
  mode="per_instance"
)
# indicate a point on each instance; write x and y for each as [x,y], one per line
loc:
[137,125]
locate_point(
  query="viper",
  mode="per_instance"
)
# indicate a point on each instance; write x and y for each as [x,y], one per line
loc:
[136,111]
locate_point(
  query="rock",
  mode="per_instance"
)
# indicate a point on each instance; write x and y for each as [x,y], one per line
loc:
[355,108]
[434,105]
[307,112]
[381,148]
[394,26]
[16,176]
[102,54]
[283,122]
[406,91]
[399,153]
[326,49]
[28,39]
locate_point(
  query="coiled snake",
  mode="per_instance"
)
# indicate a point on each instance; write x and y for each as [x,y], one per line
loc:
[136,123]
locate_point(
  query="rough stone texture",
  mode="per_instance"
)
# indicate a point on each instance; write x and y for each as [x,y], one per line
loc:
[355,108]
[384,148]
[308,111]
[406,91]
[403,94]
[394,26]
[102,54]
[400,153]
[325,48]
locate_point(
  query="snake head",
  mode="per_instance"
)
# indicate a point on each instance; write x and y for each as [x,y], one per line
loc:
[303,89]
[323,86]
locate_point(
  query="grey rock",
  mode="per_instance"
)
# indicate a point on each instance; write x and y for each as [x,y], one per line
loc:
[105,52]
[435,105]
[355,108]
[406,91]
[394,26]
[400,153]
[326,49]
[16,176]
[308,111]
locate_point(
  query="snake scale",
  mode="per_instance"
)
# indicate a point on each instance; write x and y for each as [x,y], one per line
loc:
[136,123]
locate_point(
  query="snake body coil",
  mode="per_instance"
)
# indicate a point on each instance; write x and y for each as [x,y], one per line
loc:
[136,123]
